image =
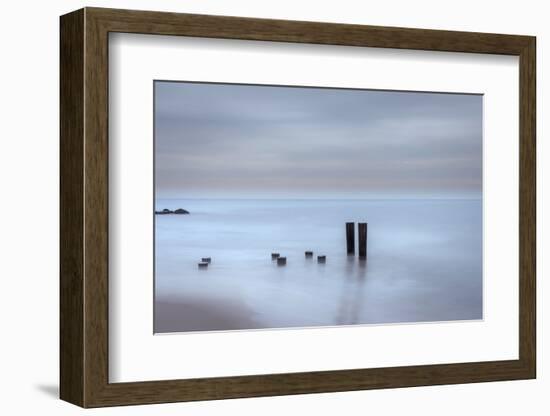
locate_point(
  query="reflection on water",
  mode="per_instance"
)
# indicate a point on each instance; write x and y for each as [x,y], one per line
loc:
[424,263]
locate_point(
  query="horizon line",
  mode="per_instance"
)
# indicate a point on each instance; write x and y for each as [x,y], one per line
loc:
[321,198]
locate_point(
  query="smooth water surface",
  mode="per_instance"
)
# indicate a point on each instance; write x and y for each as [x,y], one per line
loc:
[424,263]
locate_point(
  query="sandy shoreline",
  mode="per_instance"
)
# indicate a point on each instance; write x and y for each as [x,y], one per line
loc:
[184,314]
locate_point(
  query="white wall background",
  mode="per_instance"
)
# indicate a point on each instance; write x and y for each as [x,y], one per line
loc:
[29,209]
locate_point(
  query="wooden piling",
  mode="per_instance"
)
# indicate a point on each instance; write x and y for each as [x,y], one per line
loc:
[362,231]
[203,265]
[281,261]
[274,256]
[206,260]
[309,254]
[321,259]
[350,237]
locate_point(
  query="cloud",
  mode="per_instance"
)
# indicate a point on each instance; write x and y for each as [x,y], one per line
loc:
[264,139]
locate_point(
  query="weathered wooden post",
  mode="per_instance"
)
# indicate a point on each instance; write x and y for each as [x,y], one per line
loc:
[350,237]
[203,265]
[274,256]
[321,259]
[281,261]
[362,240]
[206,259]
[309,254]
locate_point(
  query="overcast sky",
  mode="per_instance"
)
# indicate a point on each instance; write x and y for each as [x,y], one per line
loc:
[224,140]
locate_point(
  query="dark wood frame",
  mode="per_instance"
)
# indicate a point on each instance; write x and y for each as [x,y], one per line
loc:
[84,208]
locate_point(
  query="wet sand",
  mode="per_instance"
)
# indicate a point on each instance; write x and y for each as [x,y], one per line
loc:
[183,315]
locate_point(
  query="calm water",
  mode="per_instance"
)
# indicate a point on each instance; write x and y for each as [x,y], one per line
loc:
[424,263]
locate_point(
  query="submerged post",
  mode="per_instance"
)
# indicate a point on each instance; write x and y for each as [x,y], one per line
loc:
[362,240]
[350,237]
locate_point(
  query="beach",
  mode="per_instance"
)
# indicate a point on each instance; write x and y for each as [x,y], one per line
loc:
[424,263]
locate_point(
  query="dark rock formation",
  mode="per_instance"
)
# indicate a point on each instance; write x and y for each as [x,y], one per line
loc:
[167,211]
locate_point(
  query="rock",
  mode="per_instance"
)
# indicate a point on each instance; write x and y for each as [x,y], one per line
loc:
[321,259]
[167,211]
[206,260]
[274,256]
[203,265]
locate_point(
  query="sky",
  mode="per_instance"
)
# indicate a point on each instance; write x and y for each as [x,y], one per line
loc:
[247,141]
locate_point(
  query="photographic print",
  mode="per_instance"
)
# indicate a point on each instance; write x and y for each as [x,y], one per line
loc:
[294,207]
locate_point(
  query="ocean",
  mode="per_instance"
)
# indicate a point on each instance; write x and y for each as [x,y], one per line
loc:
[424,263]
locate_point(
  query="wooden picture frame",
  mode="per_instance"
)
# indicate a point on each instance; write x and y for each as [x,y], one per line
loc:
[84,207]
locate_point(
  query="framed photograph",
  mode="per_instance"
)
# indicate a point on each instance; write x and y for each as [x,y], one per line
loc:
[254,207]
